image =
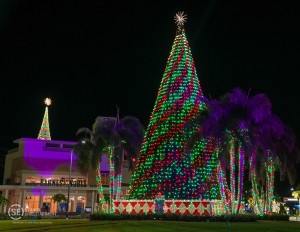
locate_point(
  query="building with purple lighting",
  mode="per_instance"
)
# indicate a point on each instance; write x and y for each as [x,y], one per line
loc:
[38,169]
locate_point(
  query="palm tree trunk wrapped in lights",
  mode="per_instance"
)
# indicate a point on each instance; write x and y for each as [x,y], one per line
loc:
[255,192]
[119,186]
[100,189]
[232,176]
[224,190]
[270,169]
[241,165]
[111,177]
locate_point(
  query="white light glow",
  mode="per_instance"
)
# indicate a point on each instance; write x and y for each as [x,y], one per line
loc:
[47,101]
[180,18]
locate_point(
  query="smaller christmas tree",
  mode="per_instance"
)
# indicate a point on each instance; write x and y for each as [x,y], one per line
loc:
[45,129]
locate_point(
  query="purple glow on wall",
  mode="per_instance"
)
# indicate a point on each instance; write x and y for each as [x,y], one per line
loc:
[104,163]
[49,156]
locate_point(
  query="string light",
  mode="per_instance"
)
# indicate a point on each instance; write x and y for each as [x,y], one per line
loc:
[232,175]
[270,168]
[100,188]
[255,192]
[241,161]
[119,186]
[111,176]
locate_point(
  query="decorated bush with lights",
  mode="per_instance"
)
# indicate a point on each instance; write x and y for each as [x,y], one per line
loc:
[165,166]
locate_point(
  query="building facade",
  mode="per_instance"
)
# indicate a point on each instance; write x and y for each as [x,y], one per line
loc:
[38,169]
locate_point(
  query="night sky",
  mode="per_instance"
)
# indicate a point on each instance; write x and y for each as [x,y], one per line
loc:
[89,56]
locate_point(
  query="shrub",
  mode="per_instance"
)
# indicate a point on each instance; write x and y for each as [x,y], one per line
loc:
[275,217]
[4,216]
[176,217]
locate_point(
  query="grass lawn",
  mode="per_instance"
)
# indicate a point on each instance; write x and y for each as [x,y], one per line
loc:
[82,225]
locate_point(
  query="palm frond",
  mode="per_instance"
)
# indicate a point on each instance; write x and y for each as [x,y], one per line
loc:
[260,108]
[292,175]
[83,153]
[83,130]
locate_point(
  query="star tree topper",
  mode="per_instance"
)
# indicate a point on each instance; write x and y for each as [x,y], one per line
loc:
[47,101]
[180,18]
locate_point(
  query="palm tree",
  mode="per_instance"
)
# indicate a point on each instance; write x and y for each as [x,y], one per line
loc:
[244,129]
[89,153]
[112,137]
[119,136]
[275,148]
[222,123]
[59,198]
[227,122]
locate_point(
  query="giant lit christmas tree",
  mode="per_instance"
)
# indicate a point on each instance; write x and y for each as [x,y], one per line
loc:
[164,166]
[45,129]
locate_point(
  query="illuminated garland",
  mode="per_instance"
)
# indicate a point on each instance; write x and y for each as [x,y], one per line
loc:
[163,166]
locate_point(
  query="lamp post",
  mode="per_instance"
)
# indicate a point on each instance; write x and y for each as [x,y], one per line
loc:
[298,198]
[69,186]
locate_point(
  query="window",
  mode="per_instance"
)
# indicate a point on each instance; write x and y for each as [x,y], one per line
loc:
[52,145]
[69,146]
[32,203]
[32,179]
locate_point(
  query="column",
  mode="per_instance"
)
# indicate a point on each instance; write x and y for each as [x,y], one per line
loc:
[23,179]
[22,198]
[6,196]
[93,200]
[75,201]
[89,199]
[41,200]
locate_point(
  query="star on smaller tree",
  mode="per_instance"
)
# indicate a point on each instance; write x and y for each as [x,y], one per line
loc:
[47,101]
